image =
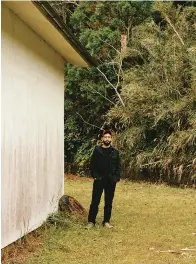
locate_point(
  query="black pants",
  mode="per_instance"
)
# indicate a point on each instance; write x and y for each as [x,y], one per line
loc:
[109,189]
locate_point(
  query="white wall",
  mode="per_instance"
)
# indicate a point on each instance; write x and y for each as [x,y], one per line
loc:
[32,128]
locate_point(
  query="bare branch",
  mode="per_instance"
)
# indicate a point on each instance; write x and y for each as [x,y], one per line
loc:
[109,45]
[114,87]
[103,96]
[114,69]
[172,26]
[88,122]
[119,70]
[106,78]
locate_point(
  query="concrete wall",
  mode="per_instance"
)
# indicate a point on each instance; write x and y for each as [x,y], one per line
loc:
[32,128]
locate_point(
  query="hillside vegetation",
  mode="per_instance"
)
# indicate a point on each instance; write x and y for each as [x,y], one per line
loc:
[144,87]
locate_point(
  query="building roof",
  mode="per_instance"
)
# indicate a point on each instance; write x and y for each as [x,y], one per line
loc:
[45,22]
[49,12]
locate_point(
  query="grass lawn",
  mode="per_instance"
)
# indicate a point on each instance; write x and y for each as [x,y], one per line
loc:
[146,218]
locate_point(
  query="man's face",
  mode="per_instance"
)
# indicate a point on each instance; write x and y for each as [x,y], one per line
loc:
[107,139]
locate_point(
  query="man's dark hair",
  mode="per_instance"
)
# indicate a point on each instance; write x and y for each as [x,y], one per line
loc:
[106,132]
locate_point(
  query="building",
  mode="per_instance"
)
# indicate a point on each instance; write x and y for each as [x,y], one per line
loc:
[35,46]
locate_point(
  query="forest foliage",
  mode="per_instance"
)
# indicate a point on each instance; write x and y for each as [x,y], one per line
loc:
[143,89]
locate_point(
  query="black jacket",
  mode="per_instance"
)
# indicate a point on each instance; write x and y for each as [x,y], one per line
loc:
[97,159]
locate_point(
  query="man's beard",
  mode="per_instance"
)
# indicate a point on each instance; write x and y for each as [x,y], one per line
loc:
[106,143]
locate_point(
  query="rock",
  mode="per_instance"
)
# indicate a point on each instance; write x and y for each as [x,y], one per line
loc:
[70,205]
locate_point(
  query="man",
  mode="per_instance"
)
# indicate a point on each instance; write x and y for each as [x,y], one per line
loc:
[105,169]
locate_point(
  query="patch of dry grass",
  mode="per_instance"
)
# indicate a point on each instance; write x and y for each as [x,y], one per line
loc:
[147,218]
[20,251]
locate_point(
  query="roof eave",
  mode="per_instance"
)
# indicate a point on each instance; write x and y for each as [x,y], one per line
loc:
[51,15]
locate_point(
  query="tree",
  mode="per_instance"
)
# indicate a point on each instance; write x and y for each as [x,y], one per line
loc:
[143,89]
[89,94]
[158,128]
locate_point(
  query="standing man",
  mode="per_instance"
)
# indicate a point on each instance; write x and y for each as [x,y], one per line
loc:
[105,169]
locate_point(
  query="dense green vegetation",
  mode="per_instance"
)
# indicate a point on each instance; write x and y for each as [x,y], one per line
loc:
[143,89]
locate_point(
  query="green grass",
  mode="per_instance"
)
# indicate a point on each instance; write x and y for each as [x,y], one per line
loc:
[145,216]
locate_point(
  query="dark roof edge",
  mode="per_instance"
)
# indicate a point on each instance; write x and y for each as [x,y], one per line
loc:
[46,9]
